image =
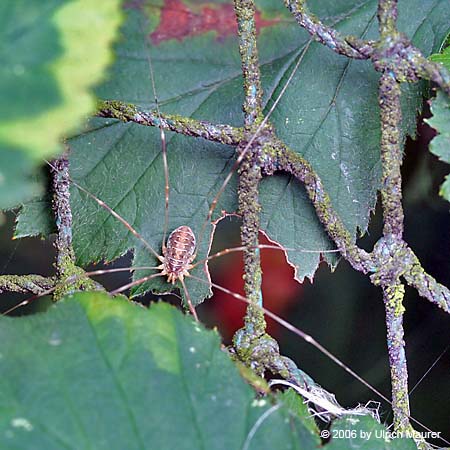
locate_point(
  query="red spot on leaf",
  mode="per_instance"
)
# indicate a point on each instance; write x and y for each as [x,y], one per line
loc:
[179,22]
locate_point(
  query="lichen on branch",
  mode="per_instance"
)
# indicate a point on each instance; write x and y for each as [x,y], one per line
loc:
[349,46]
[26,284]
[127,112]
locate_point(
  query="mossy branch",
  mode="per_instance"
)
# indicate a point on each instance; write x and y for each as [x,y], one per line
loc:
[127,112]
[391,154]
[349,46]
[277,156]
[425,284]
[248,49]
[26,284]
[65,255]
[248,339]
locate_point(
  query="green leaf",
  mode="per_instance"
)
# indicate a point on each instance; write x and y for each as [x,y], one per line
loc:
[445,188]
[329,114]
[103,373]
[365,433]
[296,404]
[443,56]
[100,373]
[440,144]
[51,57]
[43,223]
[16,183]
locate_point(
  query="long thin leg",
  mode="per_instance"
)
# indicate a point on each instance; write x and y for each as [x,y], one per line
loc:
[166,177]
[114,214]
[136,283]
[118,269]
[308,338]
[166,188]
[135,269]
[188,299]
[429,369]
[260,246]
[163,142]
[249,144]
[28,301]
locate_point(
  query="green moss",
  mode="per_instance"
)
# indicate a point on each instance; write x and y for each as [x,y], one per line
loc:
[25,283]
[75,279]
[257,352]
[258,383]
[118,110]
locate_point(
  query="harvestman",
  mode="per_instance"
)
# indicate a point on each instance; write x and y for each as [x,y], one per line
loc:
[179,251]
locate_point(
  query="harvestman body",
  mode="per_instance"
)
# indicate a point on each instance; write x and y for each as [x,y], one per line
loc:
[178,254]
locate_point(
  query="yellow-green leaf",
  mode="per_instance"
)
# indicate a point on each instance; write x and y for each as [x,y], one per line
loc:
[53,53]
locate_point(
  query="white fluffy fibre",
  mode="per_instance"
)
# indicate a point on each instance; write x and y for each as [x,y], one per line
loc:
[327,403]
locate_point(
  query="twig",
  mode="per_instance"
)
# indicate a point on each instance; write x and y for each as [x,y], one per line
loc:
[349,46]
[26,284]
[393,294]
[387,18]
[249,177]
[127,112]
[281,157]
[250,209]
[391,155]
[434,72]
[248,49]
[65,255]
[426,285]
[388,248]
